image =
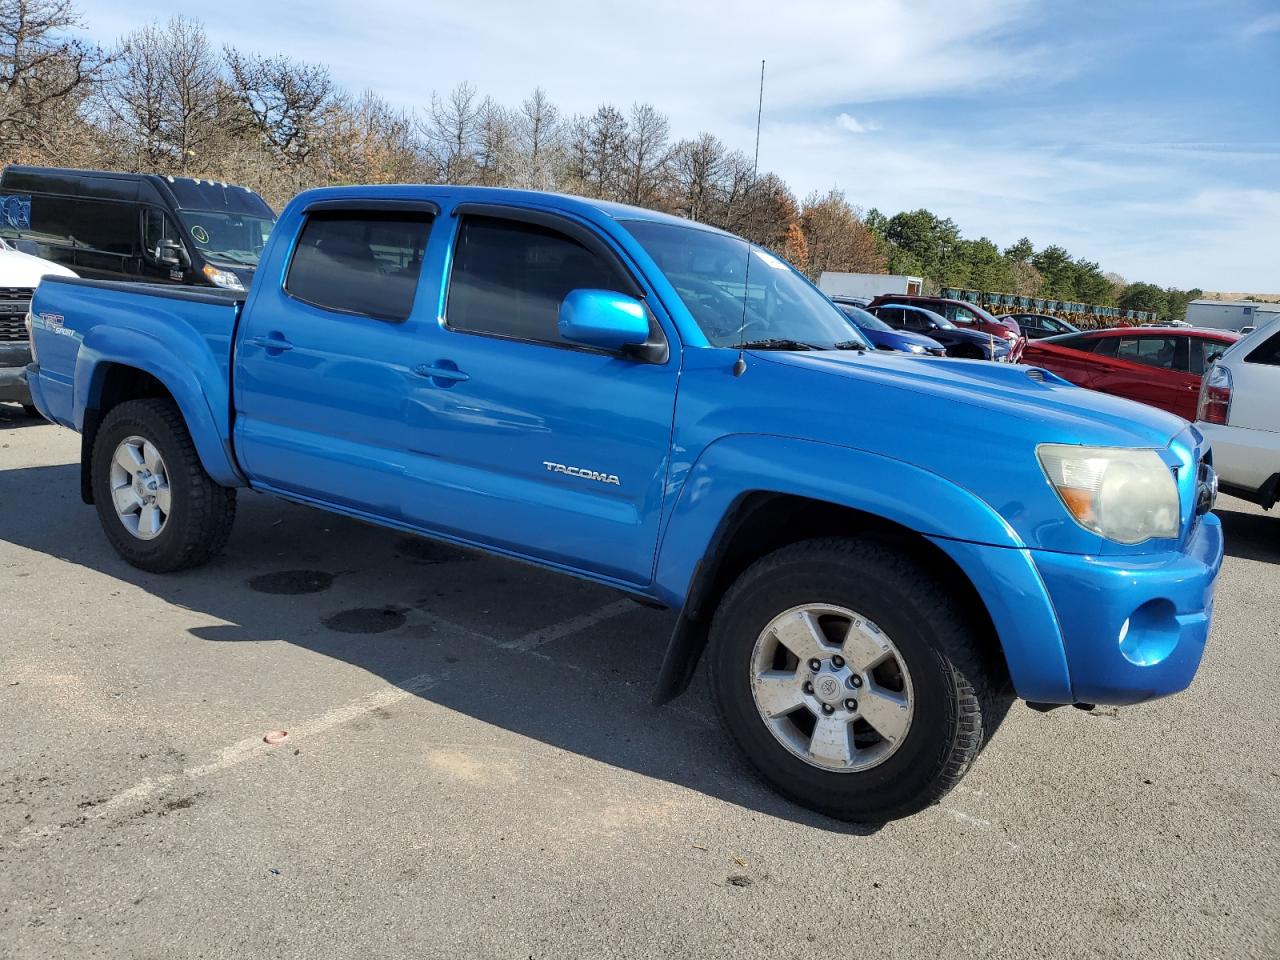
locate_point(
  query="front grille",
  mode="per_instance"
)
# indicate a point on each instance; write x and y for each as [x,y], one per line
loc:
[14,304]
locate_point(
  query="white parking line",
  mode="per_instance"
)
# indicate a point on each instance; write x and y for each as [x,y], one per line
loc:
[251,747]
[557,631]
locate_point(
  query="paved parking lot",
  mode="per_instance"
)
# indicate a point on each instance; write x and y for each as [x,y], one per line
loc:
[473,769]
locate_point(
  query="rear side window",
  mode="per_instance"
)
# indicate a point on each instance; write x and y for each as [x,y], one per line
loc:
[1105,346]
[1268,352]
[360,262]
[1079,341]
[1168,353]
[509,278]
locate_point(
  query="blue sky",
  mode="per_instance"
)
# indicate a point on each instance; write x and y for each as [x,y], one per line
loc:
[1145,136]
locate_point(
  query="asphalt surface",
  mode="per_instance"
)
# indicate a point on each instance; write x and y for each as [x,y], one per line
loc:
[473,770]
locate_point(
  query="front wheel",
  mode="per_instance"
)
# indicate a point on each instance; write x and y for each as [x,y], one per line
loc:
[853,681]
[159,508]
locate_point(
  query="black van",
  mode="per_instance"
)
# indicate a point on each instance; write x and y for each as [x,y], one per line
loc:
[136,226]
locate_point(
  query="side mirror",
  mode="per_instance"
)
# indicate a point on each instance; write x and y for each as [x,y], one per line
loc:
[26,246]
[170,253]
[604,319]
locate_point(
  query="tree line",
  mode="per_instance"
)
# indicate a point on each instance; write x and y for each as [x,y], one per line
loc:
[165,99]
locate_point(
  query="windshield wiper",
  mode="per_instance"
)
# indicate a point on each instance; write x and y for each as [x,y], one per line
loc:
[777,344]
[850,345]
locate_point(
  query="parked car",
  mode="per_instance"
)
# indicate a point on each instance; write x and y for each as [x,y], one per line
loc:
[883,336]
[19,274]
[133,226]
[967,316]
[1161,366]
[1239,411]
[875,550]
[964,344]
[1037,326]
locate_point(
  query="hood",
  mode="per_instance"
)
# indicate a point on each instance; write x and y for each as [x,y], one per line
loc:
[978,337]
[1014,392]
[23,270]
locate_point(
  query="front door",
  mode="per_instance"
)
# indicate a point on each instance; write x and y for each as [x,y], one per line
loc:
[526,442]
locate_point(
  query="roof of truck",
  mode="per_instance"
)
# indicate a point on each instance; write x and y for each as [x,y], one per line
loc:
[470,194]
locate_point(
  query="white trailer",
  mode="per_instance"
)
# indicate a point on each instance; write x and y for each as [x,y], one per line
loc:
[1230,314]
[867,285]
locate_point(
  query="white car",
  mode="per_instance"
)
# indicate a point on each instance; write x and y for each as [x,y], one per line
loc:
[20,274]
[1239,412]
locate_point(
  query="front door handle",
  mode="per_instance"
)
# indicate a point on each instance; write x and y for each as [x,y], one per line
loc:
[273,344]
[443,372]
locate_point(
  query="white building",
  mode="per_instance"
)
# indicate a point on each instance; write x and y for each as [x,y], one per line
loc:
[1229,314]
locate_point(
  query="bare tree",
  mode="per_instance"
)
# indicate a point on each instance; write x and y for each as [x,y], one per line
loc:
[451,130]
[606,152]
[44,72]
[285,103]
[495,145]
[164,94]
[539,143]
[696,168]
[368,141]
[647,151]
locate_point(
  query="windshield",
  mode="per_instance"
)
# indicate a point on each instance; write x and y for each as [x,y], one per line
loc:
[708,269]
[232,238]
[862,319]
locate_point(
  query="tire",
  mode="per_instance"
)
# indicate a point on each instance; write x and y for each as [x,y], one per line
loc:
[957,687]
[31,411]
[200,511]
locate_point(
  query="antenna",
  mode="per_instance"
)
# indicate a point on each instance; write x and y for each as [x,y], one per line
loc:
[740,365]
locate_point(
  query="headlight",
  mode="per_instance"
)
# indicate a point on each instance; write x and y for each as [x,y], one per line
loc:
[1125,495]
[914,348]
[223,278]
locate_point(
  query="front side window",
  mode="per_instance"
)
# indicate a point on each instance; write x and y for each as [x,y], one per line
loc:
[509,278]
[362,262]
[960,315]
[158,228]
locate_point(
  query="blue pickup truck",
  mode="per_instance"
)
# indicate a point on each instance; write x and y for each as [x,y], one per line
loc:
[872,554]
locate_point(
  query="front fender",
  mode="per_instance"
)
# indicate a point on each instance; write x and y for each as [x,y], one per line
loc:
[748,463]
[188,370]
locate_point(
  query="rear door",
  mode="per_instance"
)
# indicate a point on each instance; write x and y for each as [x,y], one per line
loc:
[1070,359]
[322,365]
[524,441]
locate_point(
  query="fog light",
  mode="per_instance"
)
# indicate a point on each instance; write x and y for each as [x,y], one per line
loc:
[1150,633]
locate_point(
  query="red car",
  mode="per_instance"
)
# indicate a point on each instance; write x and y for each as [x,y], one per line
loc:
[967,316]
[1156,365]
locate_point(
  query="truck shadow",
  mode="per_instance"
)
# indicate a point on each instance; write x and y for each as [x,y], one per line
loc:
[1250,536]
[567,663]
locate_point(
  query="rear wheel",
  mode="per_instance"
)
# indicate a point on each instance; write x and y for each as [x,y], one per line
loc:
[159,508]
[854,683]
[30,411]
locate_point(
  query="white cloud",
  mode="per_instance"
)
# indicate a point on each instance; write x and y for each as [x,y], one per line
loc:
[852,124]
[1269,23]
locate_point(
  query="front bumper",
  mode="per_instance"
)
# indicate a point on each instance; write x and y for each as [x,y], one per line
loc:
[1134,628]
[14,358]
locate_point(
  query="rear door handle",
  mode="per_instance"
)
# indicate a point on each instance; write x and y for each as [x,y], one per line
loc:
[444,370]
[275,343]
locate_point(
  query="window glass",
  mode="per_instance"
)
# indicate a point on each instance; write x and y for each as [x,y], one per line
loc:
[890,315]
[915,321]
[103,227]
[1076,341]
[509,278]
[1106,346]
[1151,351]
[1268,352]
[157,227]
[362,262]
[959,314]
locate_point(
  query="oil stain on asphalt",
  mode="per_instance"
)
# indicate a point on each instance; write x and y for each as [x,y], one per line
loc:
[291,582]
[365,620]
